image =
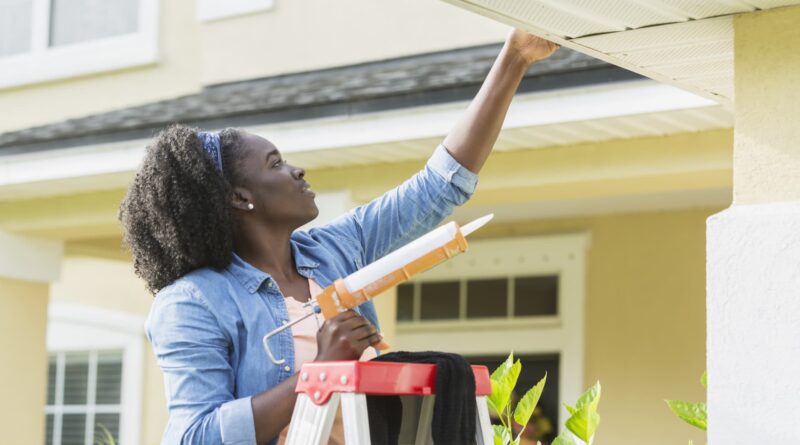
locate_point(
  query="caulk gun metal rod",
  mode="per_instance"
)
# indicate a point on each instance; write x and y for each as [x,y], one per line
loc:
[279,330]
[289,325]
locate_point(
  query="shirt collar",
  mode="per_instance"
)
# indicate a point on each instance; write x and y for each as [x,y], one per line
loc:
[252,278]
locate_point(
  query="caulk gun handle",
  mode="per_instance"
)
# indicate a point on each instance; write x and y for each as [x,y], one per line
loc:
[280,329]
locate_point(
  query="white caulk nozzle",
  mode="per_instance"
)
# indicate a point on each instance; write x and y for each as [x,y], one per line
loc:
[475,225]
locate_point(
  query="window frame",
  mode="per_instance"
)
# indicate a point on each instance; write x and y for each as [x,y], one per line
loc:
[211,10]
[78,328]
[562,334]
[463,318]
[44,63]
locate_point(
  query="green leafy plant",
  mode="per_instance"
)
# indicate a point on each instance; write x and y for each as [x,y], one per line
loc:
[106,438]
[504,379]
[694,414]
[581,425]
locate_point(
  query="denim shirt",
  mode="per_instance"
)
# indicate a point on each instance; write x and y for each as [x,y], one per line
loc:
[206,328]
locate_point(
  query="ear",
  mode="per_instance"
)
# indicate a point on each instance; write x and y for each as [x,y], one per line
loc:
[240,198]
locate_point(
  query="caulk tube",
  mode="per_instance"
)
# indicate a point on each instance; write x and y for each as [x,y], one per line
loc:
[397,260]
[419,255]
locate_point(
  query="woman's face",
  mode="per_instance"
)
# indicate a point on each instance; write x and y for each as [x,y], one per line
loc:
[277,190]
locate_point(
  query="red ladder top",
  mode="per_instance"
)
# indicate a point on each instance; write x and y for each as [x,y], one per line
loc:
[319,379]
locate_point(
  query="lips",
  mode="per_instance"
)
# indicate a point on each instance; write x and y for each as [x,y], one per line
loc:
[306,190]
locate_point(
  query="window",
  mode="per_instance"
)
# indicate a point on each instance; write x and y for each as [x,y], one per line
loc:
[208,10]
[482,298]
[83,396]
[521,294]
[44,40]
[94,375]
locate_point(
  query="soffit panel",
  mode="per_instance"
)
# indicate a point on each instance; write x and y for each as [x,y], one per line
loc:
[686,43]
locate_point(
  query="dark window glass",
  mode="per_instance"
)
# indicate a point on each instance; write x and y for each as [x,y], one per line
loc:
[109,378]
[439,300]
[73,429]
[76,378]
[51,380]
[405,302]
[487,298]
[111,424]
[536,296]
[48,432]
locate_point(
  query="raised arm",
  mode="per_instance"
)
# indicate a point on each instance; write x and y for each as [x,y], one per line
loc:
[449,178]
[472,138]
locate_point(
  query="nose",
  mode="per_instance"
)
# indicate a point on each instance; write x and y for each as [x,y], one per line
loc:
[298,173]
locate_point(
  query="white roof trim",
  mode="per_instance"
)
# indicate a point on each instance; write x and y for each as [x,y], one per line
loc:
[47,170]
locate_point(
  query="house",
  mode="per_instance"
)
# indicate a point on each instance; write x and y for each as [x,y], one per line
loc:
[601,183]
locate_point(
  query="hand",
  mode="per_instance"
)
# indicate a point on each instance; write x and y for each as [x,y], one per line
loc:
[345,337]
[529,47]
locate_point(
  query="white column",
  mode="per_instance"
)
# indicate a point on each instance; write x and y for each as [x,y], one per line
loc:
[753,263]
[27,266]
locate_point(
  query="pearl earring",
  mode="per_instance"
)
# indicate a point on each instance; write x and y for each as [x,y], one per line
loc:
[250,206]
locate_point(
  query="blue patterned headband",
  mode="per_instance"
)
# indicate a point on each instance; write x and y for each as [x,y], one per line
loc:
[212,146]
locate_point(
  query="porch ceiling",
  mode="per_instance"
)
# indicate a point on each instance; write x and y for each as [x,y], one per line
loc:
[681,42]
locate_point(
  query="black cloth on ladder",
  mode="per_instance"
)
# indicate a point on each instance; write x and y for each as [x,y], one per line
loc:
[453,420]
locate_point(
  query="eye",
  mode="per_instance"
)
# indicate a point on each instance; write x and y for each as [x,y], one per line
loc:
[278,163]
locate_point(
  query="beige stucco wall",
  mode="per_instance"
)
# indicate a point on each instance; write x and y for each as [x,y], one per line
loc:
[766,159]
[23,372]
[296,35]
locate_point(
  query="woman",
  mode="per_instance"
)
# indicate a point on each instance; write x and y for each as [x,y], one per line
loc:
[211,220]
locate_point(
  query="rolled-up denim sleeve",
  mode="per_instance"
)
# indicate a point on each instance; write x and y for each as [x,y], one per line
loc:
[409,210]
[192,351]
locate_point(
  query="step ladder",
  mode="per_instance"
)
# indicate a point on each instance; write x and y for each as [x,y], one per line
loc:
[322,385]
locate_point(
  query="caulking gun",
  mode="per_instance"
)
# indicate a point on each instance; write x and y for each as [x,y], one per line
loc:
[423,253]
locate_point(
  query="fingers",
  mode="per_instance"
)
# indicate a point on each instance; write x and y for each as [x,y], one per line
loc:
[366,331]
[346,336]
[372,339]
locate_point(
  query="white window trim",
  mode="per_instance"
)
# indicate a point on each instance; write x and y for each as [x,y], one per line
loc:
[210,10]
[43,63]
[85,328]
[563,334]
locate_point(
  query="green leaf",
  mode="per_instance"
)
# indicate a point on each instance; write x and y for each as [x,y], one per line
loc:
[106,437]
[526,405]
[590,397]
[704,379]
[570,409]
[564,438]
[501,370]
[584,420]
[504,378]
[691,413]
[583,423]
[502,435]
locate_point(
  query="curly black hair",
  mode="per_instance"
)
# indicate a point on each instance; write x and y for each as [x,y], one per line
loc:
[177,215]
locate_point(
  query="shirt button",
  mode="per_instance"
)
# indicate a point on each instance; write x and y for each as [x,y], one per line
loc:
[269,284]
[287,368]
